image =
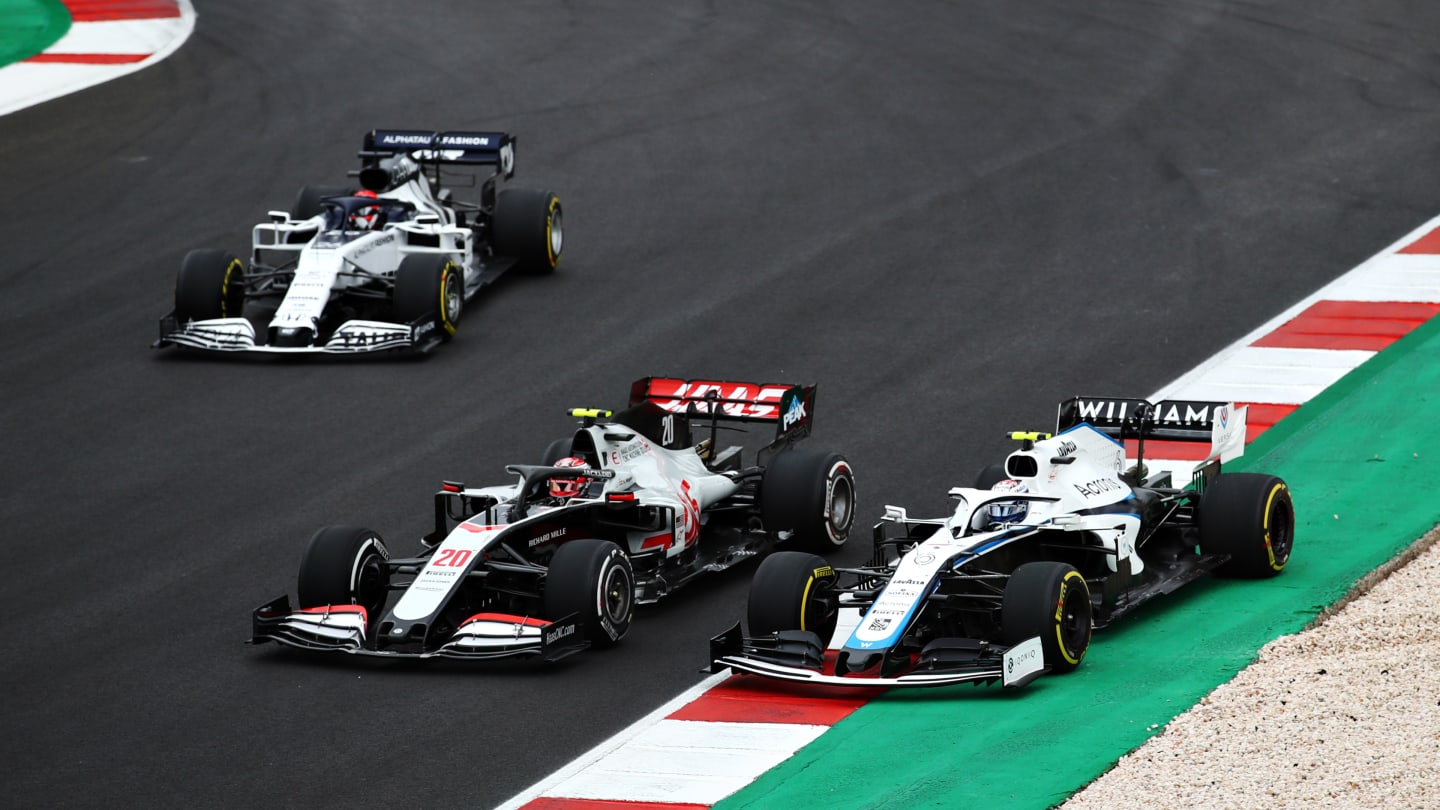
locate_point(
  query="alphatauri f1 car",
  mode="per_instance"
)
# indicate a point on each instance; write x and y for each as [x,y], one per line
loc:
[388,266]
[1060,539]
[624,511]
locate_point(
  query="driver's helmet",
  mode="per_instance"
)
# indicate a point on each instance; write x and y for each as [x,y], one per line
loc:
[367,217]
[1009,511]
[569,487]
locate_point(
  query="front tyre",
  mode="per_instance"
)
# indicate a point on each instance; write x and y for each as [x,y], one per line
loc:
[1250,517]
[793,590]
[811,495]
[429,286]
[1052,601]
[529,226]
[345,565]
[211,284]
[592,578]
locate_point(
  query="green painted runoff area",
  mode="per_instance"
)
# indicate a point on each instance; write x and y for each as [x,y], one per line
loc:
[28,27]
[1360,460]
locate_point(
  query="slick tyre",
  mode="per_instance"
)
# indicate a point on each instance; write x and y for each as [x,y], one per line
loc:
[530,227]
[793,590]
[429,286]
[556,450]
[211,284]
[345,565]
[1052,601]
[810,494]
[592,579]
[1250,517]
[990,476]
[307,200]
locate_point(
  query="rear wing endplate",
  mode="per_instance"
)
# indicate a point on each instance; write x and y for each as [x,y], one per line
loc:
[790,406]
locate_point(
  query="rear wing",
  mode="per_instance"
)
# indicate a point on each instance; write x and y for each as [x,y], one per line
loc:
[790,406]
[470,148]
[1182,420]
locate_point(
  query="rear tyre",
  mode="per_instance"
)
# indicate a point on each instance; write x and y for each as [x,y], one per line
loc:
[429,285]
[307,200]
[793,590]
[345,565]
[558,449]
[811,494]
[1250,517]
[592,579]
[529,226]
[211,284]
[990,476]
[1052,601]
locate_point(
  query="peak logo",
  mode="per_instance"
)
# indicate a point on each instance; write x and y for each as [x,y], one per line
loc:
[794,415]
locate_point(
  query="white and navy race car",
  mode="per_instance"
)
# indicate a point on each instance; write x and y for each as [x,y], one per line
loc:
[389,265]
[624,511]
[1061,538]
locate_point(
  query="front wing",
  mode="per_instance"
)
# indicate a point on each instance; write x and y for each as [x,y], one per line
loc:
[1019,665]
[343,628]
[353,337]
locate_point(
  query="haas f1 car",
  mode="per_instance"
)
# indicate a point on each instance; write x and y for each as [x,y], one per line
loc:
[624,511]
[388,266]
[1060,539]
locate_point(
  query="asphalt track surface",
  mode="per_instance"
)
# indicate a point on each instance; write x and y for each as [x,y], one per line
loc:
[950,217]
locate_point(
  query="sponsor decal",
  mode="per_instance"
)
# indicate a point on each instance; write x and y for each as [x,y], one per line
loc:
[751,401]
[1098,487]
[465,140]
[794,414]
[629,452]
[423,329]
[879,624]
[547,537]
[507,159]
[924,558]
[1066,449]
[555,634]
[907,582]
[822,572]
[383,240]
[1023,657]
[405,139]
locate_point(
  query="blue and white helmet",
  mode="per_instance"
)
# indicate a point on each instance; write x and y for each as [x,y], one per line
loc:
[1009,511]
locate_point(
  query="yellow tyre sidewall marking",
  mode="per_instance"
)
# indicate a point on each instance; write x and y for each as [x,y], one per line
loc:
[1269,510]
[1065,585]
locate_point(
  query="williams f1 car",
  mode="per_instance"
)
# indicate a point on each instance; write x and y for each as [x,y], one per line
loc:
[623,511]
[1060,539]
[388,266]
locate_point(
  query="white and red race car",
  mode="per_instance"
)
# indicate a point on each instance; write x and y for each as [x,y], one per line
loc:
[623,511]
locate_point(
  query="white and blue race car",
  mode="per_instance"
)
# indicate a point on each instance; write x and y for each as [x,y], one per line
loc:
[388,265]
[1060,539]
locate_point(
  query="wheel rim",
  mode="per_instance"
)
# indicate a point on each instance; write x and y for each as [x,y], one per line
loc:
[555,231]
[842,502]
[452,299]
[1074,624]
[1280,534]
[370,583]
[616,593]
